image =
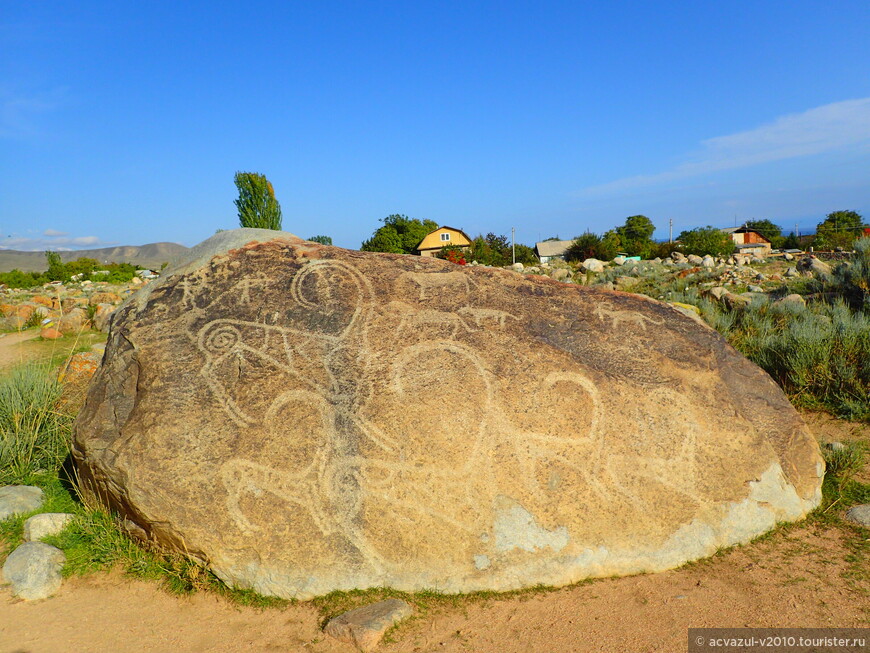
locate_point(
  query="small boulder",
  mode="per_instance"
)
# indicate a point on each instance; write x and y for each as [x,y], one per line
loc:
[33,570]
[45,524]
[81,367]
[592,265]
[104,298]
[718,292]
[517,267]
[812,265]
[708,262]
[752,288]
[789,257]
[365,627]
[103,317]
[793,298]
[19,499]
[791,273]
[694,259]
[859,515]
[72,322]
[50,333]
[560,274]
[619,260]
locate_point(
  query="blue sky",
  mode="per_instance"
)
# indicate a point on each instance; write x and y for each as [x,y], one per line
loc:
[124,122]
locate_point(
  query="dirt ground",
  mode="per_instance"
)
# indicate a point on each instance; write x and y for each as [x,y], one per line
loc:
[803,576]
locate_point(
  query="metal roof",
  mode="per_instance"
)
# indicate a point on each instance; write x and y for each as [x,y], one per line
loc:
[552,247]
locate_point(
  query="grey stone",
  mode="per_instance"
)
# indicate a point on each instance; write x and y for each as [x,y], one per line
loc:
[755,288]
[365,627]
[789,257]
[859,515]
[835,446]
[33,570]
[793,298]
[560,273]
[694,259]
[619,260]
[517,267]
[19,499]
[791,272]
[718,292]
[592,265]
[708,262]
[45,524]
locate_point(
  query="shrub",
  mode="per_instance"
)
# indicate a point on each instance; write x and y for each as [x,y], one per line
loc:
[584,246]
[852,279]
[706,240]
[34,429]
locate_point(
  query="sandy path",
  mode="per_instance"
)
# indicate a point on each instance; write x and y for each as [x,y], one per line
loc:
[790,580]
[12,351]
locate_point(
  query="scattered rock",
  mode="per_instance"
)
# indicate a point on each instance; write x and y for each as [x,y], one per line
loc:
[103,317]
[81,367]
[593,265]
[835,446]
[859,515]
[619,260]
[19,499]
[73,322]
[755,289]
[718,292]
[50,333]
[517,267]
[104,298]
[365,627]
[45,524]
[694,259]
[560,274]
[33,570]
[708,262]
[791,273]
[788,257]
[793,298]
[812,265]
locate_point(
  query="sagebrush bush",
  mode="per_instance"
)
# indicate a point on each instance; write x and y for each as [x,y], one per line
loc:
[34,428]
[818,354]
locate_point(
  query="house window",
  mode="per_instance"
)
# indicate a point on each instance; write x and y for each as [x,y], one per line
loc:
[445,237]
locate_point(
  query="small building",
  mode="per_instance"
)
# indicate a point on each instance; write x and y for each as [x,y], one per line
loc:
[443,237]
[550,249]
[748,241]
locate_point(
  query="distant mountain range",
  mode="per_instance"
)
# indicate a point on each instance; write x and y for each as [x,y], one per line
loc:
[148,256]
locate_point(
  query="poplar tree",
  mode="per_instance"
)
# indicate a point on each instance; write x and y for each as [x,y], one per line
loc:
[257,205]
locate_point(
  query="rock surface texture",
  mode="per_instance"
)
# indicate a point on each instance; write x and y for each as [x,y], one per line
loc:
[306,418]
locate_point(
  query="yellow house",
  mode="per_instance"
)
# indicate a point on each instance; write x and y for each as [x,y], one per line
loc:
[442,237]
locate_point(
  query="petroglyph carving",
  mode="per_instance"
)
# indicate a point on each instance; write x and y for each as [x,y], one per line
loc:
[619,317]
[483,315]
[432,283]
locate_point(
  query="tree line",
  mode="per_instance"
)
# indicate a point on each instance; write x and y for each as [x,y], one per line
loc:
[258,207]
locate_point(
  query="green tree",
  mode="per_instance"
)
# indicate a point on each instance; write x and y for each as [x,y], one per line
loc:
[791,241]
[706,240]
[767,229]
[839,229]
[636,235]
[586,245]
[256,204]
[56,269]
[323,240]
[399,235]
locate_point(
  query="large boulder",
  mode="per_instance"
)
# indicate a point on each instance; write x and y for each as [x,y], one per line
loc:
[305,418]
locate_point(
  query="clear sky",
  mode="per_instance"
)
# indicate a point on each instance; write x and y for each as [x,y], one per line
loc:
[124,122]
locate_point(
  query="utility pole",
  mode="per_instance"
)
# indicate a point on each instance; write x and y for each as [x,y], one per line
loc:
[670,230]
[513,246]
